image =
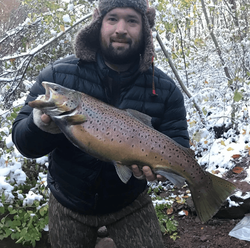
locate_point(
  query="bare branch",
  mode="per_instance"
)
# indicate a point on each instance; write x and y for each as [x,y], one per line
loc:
[184,88]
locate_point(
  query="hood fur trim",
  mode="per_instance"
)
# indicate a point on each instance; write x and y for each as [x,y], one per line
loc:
[87,41]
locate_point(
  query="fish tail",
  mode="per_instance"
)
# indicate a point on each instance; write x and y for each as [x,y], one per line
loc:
[208,199]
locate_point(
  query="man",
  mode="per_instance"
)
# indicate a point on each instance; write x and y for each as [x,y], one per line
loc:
[112,62]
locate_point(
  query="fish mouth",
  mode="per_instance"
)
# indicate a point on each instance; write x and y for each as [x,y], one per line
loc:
[69,112]
[48,91]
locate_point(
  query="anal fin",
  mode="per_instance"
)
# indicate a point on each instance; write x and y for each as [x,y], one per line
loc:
[177,180]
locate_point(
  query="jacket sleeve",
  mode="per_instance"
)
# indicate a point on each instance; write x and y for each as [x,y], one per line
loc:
[173,122]
[31,141]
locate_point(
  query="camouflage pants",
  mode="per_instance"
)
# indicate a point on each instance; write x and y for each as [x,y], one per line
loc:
[135,226]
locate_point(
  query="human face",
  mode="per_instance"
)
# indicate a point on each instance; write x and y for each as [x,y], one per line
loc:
[121,36]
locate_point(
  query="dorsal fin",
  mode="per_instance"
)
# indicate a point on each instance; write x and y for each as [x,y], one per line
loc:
[146,119]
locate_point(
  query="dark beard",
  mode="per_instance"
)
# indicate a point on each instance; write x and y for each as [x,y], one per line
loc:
[122,57]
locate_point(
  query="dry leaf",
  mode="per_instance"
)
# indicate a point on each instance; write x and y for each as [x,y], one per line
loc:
[244,131]
[179,200]
[12,60]
[205,142]
[236,156]
[248,148]
[206,82]
[62,28]
[192,123]
[230,149]
[170,210]
[237,170]
[223,143]
[215,172]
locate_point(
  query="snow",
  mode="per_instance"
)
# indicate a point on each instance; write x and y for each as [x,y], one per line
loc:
[30,198]
[66,18]
[71,7]
[248,175]
[9,142]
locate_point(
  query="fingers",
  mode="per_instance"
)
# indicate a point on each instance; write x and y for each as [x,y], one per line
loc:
[45,118]
[136,171]
[147,173]
[161,178]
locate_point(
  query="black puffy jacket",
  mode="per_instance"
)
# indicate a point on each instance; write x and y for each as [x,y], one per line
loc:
[79,181]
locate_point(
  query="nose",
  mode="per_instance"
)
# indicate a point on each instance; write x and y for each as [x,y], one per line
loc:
[121,27]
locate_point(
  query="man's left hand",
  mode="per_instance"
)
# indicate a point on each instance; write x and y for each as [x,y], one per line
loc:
[147,172]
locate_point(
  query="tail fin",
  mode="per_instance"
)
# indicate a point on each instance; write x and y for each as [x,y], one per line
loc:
[208,200]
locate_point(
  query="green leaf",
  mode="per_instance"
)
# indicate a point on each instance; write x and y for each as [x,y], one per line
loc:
[2,210]
[237,96]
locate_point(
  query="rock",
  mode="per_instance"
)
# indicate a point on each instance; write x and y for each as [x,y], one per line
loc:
[106,243]
[204,238]
[102,232]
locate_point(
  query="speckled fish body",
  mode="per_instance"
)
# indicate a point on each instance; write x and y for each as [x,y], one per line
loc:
[123,138]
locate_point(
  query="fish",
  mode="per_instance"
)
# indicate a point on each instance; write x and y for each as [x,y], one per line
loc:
[126,137]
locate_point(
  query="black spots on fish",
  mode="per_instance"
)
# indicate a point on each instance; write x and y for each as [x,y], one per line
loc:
[192,175]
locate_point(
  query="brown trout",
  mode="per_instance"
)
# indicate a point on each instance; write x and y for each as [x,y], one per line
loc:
[125,137]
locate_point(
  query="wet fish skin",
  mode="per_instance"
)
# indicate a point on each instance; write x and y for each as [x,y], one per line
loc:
[123,138]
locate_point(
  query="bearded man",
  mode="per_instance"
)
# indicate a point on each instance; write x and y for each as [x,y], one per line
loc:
[112,62]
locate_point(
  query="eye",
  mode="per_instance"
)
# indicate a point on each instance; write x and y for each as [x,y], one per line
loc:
[112,19]
[132,21]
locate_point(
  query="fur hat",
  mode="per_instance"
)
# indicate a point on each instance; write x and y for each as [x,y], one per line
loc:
[87,40]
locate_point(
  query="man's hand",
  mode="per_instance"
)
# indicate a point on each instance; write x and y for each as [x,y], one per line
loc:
[45,118]
[147,173]
[44,122]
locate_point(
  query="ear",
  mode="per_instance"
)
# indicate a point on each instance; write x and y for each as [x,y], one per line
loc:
[96,14]
[151,16]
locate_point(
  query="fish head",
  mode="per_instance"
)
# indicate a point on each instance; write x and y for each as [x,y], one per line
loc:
[56,100]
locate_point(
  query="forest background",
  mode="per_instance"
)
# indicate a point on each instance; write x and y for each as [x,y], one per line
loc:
[204,45]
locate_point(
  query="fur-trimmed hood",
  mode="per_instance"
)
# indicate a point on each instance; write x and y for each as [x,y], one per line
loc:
[87,41]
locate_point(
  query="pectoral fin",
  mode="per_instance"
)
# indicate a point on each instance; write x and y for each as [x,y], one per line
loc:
[123,172]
